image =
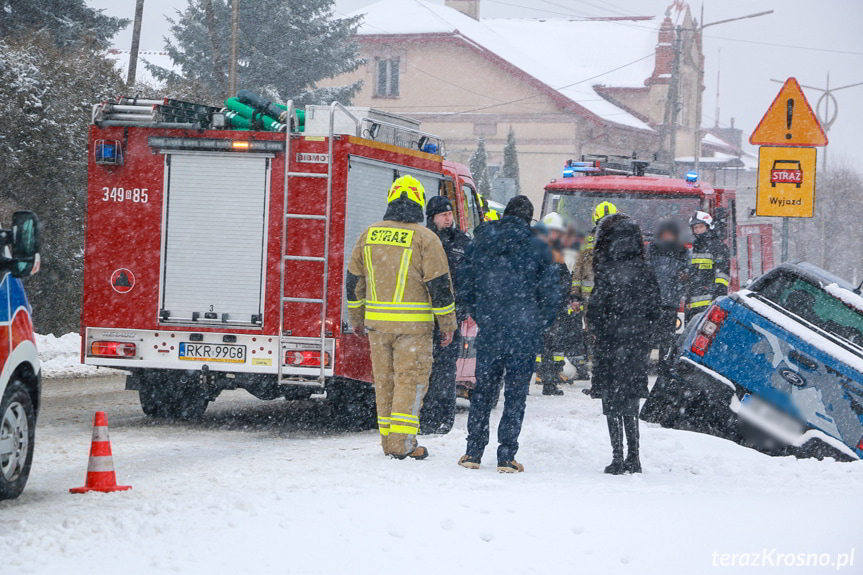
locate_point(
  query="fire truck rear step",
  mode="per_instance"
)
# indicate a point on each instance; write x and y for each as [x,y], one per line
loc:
[307,175]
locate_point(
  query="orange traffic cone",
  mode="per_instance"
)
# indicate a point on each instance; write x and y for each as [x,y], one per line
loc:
[100,471]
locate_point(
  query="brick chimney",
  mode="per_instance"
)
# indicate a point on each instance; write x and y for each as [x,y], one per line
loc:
[664,53]
[467,7]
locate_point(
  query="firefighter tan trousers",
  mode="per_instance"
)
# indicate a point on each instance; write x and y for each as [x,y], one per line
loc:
[401,364]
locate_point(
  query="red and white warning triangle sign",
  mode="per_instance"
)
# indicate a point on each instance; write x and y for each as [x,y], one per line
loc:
[790,121]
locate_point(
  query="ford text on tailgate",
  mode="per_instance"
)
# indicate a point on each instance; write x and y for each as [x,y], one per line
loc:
[791,348]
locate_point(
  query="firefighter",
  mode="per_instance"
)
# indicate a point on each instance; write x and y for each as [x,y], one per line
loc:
[438,412]
[550,363]
[582,277]
[397,285]
[709,265]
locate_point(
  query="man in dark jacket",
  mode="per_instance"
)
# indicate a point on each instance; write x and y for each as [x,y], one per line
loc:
[623,307]
[710,265]
[669,260]
[511,289]
[438,411]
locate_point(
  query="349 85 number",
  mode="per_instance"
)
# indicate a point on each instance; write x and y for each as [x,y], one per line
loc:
[134,195]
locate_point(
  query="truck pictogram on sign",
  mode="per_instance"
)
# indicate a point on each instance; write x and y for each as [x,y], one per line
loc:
[786,172]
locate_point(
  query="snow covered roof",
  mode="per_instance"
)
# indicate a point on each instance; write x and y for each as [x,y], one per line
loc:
[142,74]
[568,55]
[713,140]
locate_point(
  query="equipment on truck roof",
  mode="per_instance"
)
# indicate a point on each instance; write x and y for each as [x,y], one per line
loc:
[605,165]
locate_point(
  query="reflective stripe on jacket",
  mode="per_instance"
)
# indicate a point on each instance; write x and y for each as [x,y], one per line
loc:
[709,271]
[400,280]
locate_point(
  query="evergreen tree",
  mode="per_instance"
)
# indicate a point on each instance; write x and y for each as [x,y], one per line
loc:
[284,49]
[49,92]
[510,160]
[479,169]
[66,22]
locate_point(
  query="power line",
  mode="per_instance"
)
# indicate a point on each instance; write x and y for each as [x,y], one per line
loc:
[832,51]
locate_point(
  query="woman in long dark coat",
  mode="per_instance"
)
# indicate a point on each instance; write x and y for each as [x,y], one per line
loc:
[623,307]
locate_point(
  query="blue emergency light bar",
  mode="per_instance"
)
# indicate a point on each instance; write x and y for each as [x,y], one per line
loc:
[571,168]
[691,177]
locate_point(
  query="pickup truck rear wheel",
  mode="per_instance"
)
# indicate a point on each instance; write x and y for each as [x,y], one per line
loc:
[17,435]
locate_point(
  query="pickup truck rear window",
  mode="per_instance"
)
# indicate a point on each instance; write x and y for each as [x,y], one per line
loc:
[816,306]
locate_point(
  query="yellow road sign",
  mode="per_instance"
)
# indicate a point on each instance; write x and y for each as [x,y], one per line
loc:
[786,182]
[789,121]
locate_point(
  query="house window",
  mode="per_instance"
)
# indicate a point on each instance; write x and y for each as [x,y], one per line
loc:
[387,81]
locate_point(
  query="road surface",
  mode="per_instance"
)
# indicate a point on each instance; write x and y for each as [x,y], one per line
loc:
[271,487]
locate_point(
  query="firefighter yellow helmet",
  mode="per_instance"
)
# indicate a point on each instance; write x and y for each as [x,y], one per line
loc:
[602,210]
[408,186]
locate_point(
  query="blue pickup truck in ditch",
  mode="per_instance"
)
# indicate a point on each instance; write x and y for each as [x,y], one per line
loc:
[777,366]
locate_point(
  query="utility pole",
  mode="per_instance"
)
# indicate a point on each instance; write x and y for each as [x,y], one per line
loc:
[697,31]
[235,25]
[136,43]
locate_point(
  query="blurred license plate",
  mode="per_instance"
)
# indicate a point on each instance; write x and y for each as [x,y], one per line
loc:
[213,352]
[756,409]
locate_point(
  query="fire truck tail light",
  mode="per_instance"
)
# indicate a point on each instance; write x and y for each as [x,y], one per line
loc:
[113,349]
[306,358]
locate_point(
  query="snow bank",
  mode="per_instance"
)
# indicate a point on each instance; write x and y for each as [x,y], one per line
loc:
[61,357]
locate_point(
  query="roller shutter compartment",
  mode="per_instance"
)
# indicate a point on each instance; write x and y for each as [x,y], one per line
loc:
[213,262]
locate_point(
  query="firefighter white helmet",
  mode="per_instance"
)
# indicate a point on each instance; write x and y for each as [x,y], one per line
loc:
[701,218]
[554,221]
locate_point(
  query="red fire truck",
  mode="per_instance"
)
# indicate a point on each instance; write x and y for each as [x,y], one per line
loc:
[212,263]
[649,195]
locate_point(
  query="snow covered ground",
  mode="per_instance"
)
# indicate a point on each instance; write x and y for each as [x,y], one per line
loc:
[61,357]
[269,487]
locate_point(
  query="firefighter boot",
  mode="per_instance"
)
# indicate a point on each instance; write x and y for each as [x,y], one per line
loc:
[632,464]
[615,433]
[419,453]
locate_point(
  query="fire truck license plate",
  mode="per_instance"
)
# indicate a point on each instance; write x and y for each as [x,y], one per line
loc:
[213,352]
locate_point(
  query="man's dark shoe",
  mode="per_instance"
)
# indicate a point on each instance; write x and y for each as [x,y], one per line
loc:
[551,389]
[469,462]
[509,467]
